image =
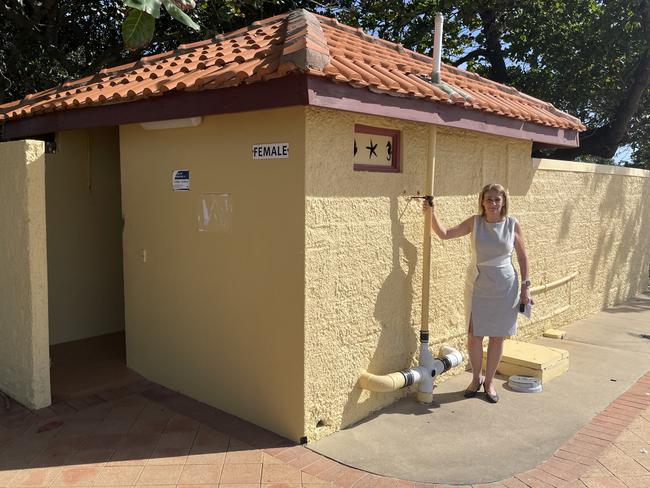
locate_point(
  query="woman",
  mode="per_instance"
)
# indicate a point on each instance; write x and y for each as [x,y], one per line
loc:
[495,293]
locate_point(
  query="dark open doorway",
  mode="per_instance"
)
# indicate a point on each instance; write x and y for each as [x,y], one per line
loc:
[84,256]
[87,366]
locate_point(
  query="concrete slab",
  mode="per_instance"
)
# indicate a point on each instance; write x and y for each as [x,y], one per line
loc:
[528,359]
[469,441]
[555,333]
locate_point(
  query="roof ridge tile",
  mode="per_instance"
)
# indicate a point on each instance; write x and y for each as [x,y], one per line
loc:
[304,29]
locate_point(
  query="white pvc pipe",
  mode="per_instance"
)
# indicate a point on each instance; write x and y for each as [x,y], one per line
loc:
[437,48]
[548,286]
[421,375]
[428,362]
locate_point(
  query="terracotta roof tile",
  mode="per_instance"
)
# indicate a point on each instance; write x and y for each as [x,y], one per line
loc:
[298,41]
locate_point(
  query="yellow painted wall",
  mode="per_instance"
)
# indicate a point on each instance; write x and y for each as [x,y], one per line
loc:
[219,315]
[84,238]
[363,249]
[24,353]
[588,219]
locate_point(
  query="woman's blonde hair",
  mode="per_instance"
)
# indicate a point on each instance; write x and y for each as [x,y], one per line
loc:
[493,187]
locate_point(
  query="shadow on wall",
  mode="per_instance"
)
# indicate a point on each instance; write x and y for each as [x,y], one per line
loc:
[636,305]
[565,223]
[630,248]
[397,342]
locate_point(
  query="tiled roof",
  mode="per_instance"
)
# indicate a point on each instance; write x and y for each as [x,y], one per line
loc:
[298,41]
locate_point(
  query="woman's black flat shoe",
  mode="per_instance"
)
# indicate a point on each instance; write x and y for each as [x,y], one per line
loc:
[472,393]
[491,398]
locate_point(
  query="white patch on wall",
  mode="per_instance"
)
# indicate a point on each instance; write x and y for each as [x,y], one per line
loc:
[271,151]
[181,180]
[214,213]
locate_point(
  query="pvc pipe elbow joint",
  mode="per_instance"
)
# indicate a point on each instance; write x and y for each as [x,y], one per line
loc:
[421,375]
[454,356]
[382,383]
[448,358]
[435,366]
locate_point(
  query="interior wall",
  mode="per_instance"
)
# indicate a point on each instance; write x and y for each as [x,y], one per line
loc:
[24,354]
[84,238]
[216,311]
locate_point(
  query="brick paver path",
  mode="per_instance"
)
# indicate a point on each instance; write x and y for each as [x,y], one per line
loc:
[145,435]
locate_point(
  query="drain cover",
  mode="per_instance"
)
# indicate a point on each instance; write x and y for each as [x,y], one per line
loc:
[525,384]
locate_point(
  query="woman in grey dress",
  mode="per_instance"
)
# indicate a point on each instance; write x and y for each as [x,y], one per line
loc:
[496,294]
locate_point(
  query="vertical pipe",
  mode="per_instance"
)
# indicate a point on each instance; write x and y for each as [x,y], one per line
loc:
[425,388]
[437,48]
[483,176]
[508,163]
[426,253]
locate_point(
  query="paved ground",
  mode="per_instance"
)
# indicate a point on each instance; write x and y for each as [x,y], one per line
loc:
[145,435]
[461,441]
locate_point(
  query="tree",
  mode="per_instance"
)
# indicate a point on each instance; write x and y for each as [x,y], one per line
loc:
[590,58]
[46,42]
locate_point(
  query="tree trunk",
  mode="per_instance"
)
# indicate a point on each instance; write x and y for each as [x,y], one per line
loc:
[604,141]
[492,49]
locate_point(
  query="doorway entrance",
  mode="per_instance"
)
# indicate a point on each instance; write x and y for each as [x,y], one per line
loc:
[88,366]
[84,263]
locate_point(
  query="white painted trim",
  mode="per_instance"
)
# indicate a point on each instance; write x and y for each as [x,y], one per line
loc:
[558,165]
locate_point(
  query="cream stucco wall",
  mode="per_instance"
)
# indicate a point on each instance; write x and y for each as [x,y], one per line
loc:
[24,353]
[363,248]
[590,220]
[84,238]
[218,315]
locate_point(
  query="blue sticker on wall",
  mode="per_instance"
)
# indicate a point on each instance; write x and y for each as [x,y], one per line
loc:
[181,180]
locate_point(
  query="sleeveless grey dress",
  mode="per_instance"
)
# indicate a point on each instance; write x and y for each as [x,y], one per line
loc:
[495,290]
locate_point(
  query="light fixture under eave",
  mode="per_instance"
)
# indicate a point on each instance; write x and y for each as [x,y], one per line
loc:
[172,123]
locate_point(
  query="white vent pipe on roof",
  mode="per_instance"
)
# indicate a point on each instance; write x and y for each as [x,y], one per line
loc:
[437,48]
[452,91]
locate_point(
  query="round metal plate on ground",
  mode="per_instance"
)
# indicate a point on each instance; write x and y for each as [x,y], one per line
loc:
[525,384]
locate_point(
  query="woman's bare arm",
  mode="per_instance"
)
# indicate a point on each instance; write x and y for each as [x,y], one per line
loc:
[459,230]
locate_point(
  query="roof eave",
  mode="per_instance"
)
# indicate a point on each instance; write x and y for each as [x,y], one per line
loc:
[327,94]
[291,90]
[287,91]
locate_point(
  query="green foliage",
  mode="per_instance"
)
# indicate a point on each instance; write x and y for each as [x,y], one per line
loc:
[179,15]
[584,56]
[140,22]
[138,28]
[44,43]
[152,7]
